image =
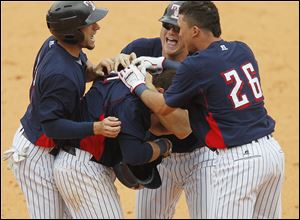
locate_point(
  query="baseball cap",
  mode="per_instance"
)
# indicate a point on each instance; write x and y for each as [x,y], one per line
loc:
[171,13]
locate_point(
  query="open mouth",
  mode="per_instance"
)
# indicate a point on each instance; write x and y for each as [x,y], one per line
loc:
[171,42]
[93,38]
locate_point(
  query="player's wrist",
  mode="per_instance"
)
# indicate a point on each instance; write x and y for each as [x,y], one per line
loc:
[98,128]
[170,64]
[140,89]
[165,146]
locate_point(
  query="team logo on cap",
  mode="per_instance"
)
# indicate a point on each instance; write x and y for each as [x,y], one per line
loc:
[90,4]
[175,11]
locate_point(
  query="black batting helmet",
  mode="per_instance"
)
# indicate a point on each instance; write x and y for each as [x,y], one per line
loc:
[65,18]
[171,13]
[140,176]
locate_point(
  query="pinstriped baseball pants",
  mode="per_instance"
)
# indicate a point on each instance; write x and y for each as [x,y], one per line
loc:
[248,180]
[87,187]
[33,169]
[188,172]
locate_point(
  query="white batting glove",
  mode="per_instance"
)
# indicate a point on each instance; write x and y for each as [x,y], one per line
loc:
[152,64]
[132,77]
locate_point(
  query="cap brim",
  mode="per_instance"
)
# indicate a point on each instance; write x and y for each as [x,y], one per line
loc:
[168,20]
[97,15]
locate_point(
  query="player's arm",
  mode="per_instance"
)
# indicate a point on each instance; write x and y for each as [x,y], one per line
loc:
[134,78]
[57,104]
[136,151]
[177,123]
[154,100]
[135,119]
[157,128]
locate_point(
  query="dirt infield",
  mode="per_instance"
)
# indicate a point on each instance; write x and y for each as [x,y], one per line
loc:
[269,28]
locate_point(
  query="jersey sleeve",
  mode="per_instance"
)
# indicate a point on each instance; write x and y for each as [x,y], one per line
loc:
[128,49]
[144,47]
[59,98]
[184,87]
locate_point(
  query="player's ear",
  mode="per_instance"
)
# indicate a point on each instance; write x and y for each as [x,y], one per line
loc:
[160,90]
[195,31]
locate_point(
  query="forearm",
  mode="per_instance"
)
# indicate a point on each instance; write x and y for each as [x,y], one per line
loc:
[153,100]
[177,122]
[137,152]
[158,129]
[67,129]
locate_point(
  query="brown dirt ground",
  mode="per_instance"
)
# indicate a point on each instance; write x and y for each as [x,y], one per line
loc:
[270,28]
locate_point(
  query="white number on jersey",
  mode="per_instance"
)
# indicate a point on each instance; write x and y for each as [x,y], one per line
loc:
[253,82]
[241,100]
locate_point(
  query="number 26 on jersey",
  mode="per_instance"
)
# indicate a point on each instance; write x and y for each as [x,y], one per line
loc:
[239,100]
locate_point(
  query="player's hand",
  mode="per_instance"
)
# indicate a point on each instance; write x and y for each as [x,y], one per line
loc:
[152,64]
[108,127]
[149,82]
[123,60]
[105,67]
[132,77]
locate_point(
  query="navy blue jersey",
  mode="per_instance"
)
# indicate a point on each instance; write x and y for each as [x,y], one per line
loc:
[112,98]
[144,47]
[222,85]
[57,86]
[152,47]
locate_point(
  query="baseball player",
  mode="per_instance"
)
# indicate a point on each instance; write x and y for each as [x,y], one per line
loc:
[52,118]
[220,82]
[83,172]
[190,165]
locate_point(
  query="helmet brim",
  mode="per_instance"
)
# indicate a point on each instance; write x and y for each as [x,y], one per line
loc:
[166,19]
[156,180]
[97,15]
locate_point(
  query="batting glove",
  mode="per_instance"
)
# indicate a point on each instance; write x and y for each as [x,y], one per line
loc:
[132,77]
[152,64]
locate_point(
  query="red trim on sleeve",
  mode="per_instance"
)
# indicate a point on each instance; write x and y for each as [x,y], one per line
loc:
[214,136]
[94,144]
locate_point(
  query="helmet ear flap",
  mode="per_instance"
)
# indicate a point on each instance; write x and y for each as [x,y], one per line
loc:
[70,37]
[73,37]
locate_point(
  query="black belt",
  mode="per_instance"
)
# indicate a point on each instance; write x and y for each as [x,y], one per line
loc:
[55,150]
[71,150]
[256,140]
[233,146]
[189,150]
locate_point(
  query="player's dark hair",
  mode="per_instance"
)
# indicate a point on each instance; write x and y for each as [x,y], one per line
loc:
[203,14]
[164,80]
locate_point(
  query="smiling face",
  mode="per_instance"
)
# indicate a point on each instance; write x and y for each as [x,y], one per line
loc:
[89,36]
[171,42]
